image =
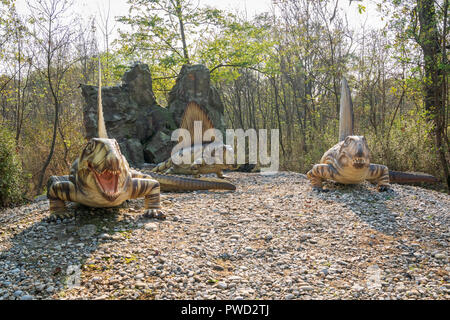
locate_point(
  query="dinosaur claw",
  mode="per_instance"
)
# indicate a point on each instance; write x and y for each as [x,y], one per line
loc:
[320,189]
[155,213]
[54,216]
[383,188]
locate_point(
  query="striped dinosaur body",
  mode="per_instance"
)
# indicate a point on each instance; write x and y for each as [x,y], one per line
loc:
[102,177]
[208,158]
[348,161]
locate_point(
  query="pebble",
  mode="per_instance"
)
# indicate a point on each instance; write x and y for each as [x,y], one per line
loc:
[18,293]
[96,279]
[222,285]
[151,226]
[306,288]
[87,231]
[358,288]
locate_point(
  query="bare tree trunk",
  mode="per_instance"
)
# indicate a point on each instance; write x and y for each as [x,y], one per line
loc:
[183,36]
[428,39]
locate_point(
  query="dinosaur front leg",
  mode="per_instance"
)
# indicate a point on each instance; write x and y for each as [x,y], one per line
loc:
[150,190]
[319,173]
[379,174]
[219,174]
[195,168]
[59,190]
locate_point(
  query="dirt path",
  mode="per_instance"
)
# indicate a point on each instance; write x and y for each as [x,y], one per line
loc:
[273,238]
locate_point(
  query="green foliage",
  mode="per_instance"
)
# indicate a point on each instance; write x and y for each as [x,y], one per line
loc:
[11,176]
[238,44]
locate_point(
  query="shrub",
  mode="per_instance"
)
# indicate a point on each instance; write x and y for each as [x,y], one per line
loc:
[11,178]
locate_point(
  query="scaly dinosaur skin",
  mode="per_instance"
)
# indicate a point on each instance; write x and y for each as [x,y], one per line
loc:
[348,162]
[200,162]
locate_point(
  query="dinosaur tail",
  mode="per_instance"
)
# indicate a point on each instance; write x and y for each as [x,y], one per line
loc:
[411,177]
[346,112]
[177,183]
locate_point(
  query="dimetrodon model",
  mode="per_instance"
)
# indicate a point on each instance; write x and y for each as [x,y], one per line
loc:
[348,161]
[211,156]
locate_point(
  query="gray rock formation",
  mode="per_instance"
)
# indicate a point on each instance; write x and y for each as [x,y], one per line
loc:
[193,84]
[142,128]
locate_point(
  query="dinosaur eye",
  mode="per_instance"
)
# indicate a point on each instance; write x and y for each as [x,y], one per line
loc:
[89,147]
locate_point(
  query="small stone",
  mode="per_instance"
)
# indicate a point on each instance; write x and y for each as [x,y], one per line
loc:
[18,293]
[96,279]
[105,236]
[26,297]
[290,296]
[222,285]
[412,292]
[87,231]
[225,256]
[306,288]
[151,226]
[356,287]
[268,236]
[139,276]
[440,256]
[400,288]
[218,267]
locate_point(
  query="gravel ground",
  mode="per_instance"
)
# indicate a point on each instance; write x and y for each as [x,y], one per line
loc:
[273,238]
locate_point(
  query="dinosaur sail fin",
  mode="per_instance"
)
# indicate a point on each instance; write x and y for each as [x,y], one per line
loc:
[101,121]
[346,112]
[192,113]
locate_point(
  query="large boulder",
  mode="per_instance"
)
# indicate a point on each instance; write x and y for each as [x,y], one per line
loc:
[193,84]
[142,128]
[159,148]
[132,149]
[126,107]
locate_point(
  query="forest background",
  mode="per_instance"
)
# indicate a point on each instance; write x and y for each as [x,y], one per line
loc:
[277,69]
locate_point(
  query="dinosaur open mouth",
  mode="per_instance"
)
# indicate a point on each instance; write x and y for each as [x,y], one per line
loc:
[359,163]
[108,181]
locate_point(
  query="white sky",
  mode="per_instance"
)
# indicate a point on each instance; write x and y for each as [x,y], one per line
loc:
[88,8]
